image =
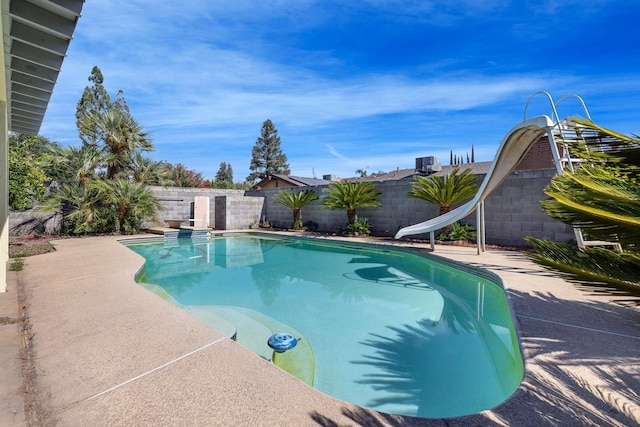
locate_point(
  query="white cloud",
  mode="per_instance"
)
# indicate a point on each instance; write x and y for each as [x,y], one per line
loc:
[202,76]
[335,153]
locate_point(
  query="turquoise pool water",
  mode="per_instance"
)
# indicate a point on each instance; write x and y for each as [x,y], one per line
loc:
[383,328]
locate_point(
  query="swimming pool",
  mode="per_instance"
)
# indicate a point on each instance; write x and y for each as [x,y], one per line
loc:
[380,327]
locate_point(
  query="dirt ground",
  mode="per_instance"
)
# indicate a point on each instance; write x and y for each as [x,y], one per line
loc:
[35,244]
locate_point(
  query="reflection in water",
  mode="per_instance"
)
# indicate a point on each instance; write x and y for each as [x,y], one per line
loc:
[267,282]
[234,253]
[455,316]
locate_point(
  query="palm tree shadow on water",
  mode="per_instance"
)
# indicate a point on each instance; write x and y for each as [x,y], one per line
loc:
[409,365]
[362,279]
[556,392]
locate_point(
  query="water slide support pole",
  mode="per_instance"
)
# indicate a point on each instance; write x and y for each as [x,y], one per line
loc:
[478,229]
[484,229]
[480,235]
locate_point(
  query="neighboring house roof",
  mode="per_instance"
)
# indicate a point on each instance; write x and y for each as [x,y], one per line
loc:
[310,181]
[538,157]
[388,176]
[477,168]
[289,181]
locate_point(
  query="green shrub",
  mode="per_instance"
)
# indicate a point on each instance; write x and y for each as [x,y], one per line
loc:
[459,232]
[361,227]
[103,206]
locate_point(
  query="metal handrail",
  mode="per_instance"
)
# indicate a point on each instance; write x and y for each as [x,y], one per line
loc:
[554,112]
[560,128]
[556,117]
[579,98]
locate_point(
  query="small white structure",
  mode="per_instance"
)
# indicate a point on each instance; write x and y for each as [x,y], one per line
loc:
[200,212]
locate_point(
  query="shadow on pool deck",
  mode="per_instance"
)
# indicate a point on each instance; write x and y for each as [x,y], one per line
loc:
[109,352]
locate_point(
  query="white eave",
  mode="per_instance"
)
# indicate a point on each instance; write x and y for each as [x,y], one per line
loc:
[36,36]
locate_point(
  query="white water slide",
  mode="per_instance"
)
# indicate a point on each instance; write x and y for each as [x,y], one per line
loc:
[512,149]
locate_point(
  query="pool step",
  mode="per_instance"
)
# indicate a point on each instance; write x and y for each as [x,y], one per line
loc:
[248,331]
[217,322]
[158,290]
[253,330]
[299,361]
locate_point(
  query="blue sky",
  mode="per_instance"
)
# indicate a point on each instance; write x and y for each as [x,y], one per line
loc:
[349,84]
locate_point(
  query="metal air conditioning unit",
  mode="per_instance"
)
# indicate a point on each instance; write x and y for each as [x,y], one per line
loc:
[428,164]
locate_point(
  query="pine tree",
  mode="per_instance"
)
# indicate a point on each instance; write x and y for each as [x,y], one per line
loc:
[224,176]
[95,101]
[473,154]
[267,157]
[451,158]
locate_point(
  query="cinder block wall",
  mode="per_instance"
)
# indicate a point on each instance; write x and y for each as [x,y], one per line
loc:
[177,202]
[282,217]
[396,210]
[237,212]
[512,212]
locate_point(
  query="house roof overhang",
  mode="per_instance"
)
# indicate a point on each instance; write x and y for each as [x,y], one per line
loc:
[36,36]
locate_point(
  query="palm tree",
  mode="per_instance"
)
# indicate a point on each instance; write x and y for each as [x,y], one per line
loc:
[351,196]
[132,202]
[594,266]
[147,171]
[602,198]
[121,135]
[445,191]
[70,164]
[295,200]
[598,200]
[80,207]
[103,206]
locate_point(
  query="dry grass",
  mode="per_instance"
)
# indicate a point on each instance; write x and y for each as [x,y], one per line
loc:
[24,246]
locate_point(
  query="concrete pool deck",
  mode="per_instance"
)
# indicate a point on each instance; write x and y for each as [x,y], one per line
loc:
[107,352]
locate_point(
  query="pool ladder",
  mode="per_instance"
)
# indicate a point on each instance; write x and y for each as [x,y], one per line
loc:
[560,135]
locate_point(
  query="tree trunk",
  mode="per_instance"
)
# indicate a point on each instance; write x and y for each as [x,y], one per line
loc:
[297,219]
[112,171]
[443,210]
[352,216]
